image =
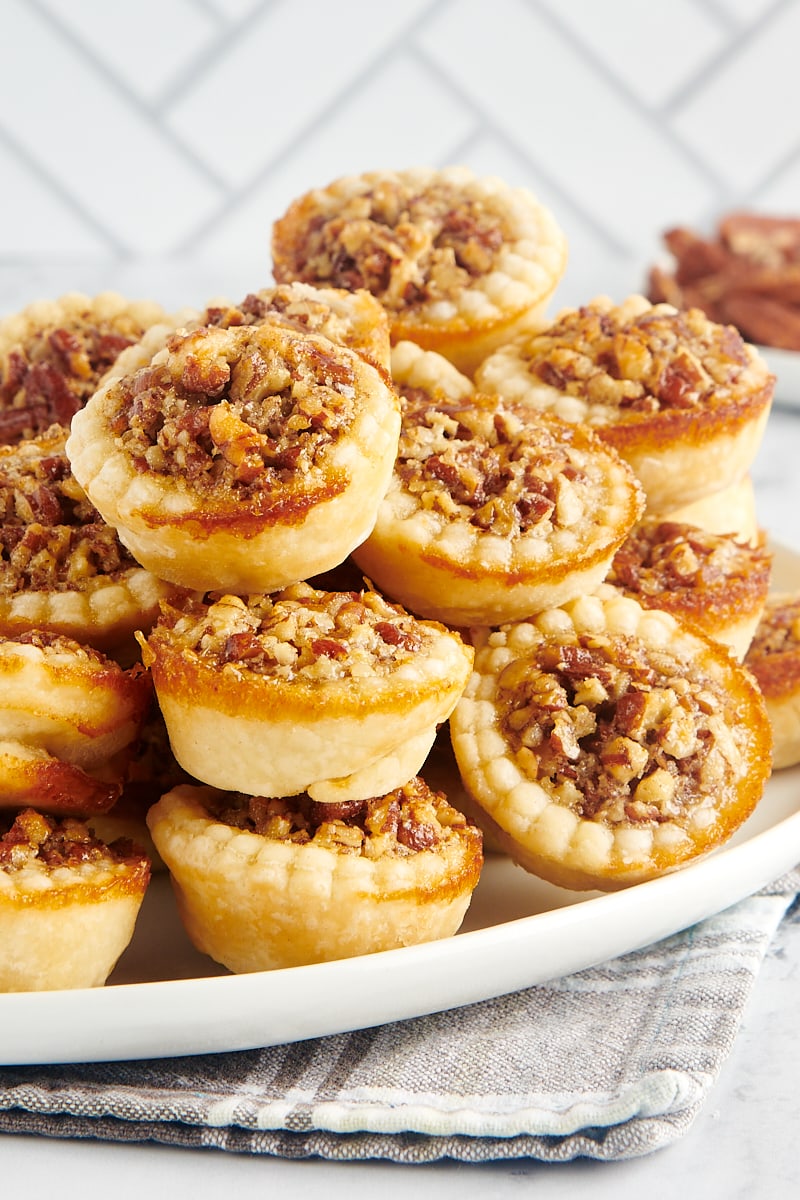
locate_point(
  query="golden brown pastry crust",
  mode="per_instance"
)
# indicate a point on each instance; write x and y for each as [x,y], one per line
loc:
[53,355]
[496,511]
[460,263]
[608,743]
[711,579]
[62,568]
[29,776]
[264,884]
[69,699]
[731,510]
[774,659]
[304,690]
[68,903]
[242,458]
[684,401]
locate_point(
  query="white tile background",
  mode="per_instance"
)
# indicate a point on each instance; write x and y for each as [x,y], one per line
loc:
[137,132]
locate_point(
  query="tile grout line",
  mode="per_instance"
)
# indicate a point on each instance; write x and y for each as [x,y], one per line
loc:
[54,186]
[132,100]
[506,139]
[234,201]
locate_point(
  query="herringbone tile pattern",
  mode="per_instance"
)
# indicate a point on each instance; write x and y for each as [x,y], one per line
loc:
[153,128]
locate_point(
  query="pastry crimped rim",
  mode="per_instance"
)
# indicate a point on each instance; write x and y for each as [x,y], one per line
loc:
[505,291]
[128,319]
[221,537]
[69,699]
[426,552]
[413,368]
[776,667]
[681,452]
[555,840]
[256,903]
[337,730]
[730,510]
[712,580]
[65,925]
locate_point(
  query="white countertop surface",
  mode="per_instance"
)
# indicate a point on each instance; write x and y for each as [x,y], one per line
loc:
[743,1143]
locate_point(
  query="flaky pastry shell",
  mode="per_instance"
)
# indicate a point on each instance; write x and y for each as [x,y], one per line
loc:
[267,884]
[54,354]
[460,263]
[774,659]
[712,580]
[608,744]
[69,699]
[336,694]
[68,904]
[683,400]
[242,458]
[495,512]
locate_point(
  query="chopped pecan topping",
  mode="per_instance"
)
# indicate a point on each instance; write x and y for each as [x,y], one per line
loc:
[301,633]
[59,558]
[230,407]
[666,556]
[640,359]
[406,246]
[480,462]
[408,820]
[33,839]
[619,733]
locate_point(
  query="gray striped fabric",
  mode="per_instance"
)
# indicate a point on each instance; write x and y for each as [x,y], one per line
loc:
[612,1062]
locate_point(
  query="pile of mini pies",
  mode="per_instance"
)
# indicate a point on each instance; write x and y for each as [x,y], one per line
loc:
[312,598]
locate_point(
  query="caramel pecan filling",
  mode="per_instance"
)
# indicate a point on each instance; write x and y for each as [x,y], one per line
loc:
[59,558]
[306,314]
[51,376]
[33,839]
[484,465]
[642,363]
[778,630]
[407,247]
[618,732]
[231,407]
[668,556]
[37,484]
[302,633]
[409,819]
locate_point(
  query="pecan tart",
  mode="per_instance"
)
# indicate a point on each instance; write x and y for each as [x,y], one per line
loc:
[333,693]
[711,579]
[68,903]
[62,568]
[241,459]
[683,400]
[69,700]
[774,659]
[270,883]
[608,744]
[460,263]
[496,511]
[54,354]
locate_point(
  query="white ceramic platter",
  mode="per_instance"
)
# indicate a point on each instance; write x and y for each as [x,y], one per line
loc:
[785,365]
[165,999]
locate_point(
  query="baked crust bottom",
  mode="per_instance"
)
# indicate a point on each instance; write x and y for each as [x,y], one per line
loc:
[255,904]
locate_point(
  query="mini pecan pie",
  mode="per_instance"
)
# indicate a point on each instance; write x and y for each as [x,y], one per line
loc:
[460,263]
[242,458]
[711,579]
[774,659]
[731,510]
[265,883]
[353,319]
[61,567]
[496,511]
[53,355]
[69,699]
[684,400]
[608,744]
[333,693]
[68,903]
